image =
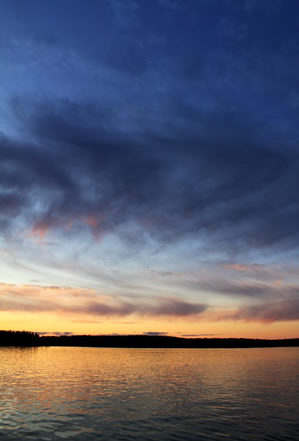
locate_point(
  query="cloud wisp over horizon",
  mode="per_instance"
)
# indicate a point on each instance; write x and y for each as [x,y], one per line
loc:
[149,152]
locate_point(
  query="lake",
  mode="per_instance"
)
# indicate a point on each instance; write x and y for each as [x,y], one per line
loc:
[71,393]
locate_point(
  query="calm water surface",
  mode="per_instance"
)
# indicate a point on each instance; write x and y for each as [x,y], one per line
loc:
[149,394]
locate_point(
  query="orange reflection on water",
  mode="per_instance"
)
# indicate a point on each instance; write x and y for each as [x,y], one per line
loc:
[124,393]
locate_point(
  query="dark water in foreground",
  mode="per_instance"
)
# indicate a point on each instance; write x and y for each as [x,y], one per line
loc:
[149,394]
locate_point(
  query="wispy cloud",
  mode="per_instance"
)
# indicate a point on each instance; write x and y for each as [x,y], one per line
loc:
[270,312]
[65,300]
[136,155]
[155,333]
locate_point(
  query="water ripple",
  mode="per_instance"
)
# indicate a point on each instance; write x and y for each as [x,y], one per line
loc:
[88,394]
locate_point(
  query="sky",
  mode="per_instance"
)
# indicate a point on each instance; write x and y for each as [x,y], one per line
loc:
[149,165]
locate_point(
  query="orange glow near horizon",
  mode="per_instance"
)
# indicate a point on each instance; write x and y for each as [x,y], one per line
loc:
[48,309]
[50,322]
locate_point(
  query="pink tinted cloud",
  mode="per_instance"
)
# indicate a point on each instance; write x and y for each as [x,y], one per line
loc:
[67,300]
[284,310]
[39,231]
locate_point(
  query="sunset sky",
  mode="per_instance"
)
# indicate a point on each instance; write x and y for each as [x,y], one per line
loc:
[149,167]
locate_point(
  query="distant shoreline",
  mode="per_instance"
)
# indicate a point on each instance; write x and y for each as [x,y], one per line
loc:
[32,339]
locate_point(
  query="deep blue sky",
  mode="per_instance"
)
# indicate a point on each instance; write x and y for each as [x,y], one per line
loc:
[149,152]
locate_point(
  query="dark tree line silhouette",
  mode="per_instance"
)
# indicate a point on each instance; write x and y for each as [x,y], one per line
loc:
[19,338]
[24,338]
[146,341]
